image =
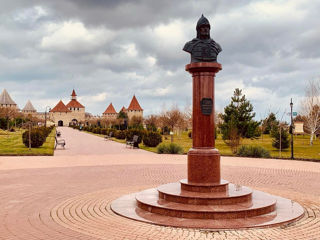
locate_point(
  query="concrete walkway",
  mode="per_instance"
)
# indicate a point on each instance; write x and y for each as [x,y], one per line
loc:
[68,196]
[81,144]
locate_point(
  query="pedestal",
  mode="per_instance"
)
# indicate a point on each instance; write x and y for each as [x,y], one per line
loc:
[204,200]
[203,158]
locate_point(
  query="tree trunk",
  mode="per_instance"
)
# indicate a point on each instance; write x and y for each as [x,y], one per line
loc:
[311,138]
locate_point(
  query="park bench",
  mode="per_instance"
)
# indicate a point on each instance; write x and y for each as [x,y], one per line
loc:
[134,143]
[108,137]
[58,133]
[60,142]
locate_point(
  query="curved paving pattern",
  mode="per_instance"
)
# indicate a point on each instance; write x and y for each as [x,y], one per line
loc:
[69,198]
[90,214]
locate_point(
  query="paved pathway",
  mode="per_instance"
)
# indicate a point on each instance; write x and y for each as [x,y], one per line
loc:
[68,196]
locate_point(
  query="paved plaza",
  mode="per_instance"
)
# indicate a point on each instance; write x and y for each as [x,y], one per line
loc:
[68,196]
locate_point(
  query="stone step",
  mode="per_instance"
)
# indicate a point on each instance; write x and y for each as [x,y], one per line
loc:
[221,186]
[172,192]
[262,203]
[286,212]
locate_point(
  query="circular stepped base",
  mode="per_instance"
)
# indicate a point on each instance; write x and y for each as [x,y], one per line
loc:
[222,186]
[172,192]
[261,210]
[263,203]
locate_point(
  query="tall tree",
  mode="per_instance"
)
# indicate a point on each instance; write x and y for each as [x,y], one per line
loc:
[269,122]
[310,108]
[122,119]
[238,119]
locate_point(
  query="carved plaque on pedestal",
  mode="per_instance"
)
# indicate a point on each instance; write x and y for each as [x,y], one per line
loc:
[206,106]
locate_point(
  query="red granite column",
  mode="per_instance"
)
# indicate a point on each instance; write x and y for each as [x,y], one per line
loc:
[203,158]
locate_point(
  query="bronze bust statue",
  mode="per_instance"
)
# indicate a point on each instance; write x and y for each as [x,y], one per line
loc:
[203,48]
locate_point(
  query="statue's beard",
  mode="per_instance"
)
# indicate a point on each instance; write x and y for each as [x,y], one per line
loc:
[203,36]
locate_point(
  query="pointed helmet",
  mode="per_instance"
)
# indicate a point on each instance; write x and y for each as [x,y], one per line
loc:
[202,21]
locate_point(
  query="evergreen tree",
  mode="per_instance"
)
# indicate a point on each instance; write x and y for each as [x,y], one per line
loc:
[122,120]
[269,122]
[238,118]
[275,134]
[122,115]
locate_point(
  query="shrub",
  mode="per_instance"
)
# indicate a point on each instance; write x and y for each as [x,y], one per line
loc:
[74,126]
[119,134]
[253,151]
[37,138]
[152,139]
[45,130]
[103,131]
[88,128]
[113,130]
[131,132]
[171,148]
[190,134]
[97,130]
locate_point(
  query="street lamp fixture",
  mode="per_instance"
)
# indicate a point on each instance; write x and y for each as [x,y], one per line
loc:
[45,116]
[291,130]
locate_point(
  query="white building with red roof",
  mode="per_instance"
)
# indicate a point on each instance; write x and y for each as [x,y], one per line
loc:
[73,112]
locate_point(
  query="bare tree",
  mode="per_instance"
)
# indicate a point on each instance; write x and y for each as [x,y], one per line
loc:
[136,121]
[152,122]
[188,115]
[173,118]
[310,108]
[8,114]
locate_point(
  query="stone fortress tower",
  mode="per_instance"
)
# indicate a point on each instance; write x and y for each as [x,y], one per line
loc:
[29,109]
[76,108]
[73,112]
[134,110]
[6,101]
[110,113]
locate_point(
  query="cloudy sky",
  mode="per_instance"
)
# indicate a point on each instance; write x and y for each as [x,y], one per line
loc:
[108,50]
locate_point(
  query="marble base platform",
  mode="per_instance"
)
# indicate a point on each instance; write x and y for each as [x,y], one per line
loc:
[209,206]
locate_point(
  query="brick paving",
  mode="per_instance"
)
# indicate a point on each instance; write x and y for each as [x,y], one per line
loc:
[68,196]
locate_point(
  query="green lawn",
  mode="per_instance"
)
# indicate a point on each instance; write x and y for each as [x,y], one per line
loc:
[11,145]
[302,149]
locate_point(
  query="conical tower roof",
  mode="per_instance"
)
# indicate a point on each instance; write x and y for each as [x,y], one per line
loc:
[110,110]
[5,98]
[73,94]
[60,107]
[123,109]
[134,104]
[29,107]
[73,102]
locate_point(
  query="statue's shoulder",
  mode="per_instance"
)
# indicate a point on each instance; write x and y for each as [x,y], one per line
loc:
[190,45]
[215,45]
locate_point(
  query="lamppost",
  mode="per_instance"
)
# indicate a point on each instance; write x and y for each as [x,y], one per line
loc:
[291,130]
[45,116]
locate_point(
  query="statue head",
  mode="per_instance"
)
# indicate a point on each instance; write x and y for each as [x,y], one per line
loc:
[203,28]
[203,48]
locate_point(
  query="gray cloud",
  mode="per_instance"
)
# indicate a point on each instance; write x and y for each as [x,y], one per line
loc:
[110,50]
